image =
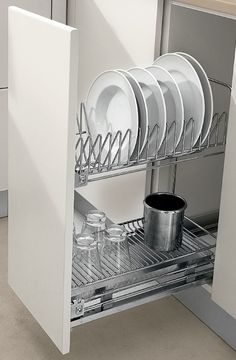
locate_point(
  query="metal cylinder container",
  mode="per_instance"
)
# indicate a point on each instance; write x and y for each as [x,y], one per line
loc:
[163,220]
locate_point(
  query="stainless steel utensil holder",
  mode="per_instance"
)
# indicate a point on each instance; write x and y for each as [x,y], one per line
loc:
[163,220]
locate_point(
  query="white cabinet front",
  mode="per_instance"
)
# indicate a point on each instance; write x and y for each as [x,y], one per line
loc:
[3,139]
[42,108]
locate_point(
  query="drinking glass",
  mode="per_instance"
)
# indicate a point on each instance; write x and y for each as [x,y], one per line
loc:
[74,234]
[74,240]
[116,249]
[87,256]
[95,224]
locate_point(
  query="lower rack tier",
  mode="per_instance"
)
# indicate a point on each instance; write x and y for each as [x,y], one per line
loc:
[150,273]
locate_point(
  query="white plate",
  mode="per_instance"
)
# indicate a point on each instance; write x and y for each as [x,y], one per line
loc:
[207,91]
[191,90]
[174,105]
[143,112]
[155,105]
[111,106]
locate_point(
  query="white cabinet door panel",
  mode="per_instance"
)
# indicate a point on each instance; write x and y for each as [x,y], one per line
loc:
[42,7]
[43,70]
[3,139]
[224,282]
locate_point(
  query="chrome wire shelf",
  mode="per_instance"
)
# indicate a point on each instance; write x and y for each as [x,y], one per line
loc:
[103,157]
[145,262]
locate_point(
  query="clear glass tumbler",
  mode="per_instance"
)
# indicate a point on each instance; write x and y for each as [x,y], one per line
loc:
[86,255]
[74,234]
[116,249]
[95,224]
[74,240]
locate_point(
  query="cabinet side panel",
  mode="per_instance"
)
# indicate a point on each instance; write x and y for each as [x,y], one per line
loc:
[3,140]
[224,284]
[42,106]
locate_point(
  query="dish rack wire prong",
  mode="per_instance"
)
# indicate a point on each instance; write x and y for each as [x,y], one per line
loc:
[109,156]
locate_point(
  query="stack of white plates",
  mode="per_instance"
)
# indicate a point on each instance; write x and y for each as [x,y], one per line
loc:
[152,107]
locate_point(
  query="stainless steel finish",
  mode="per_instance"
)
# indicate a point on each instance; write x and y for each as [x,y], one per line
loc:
[77,308]
[163,226]
[219,82]
[153,272]
[90,152]
[133,302]
[90,167]
[99,308]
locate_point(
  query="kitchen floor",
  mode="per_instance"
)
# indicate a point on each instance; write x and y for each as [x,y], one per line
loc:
[163,329]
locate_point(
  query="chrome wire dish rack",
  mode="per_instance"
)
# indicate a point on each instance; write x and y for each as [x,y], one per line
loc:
[144,260]
[150,273]
[102,157]
[149,270]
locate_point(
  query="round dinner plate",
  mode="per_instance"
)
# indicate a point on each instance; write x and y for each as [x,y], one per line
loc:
[111,106]
[174,106]
[155,106]
[207,91]
[143,112]
[190,87]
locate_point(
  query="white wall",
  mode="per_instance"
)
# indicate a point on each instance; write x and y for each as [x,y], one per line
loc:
[114,34]
[43,8]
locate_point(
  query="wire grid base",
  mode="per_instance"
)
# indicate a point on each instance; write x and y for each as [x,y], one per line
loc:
[142,257]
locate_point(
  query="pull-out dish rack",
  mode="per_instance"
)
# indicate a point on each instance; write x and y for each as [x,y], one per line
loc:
[151,274]
[58,291]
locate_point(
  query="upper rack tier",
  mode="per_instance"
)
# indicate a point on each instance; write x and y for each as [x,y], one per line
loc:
[100,157]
